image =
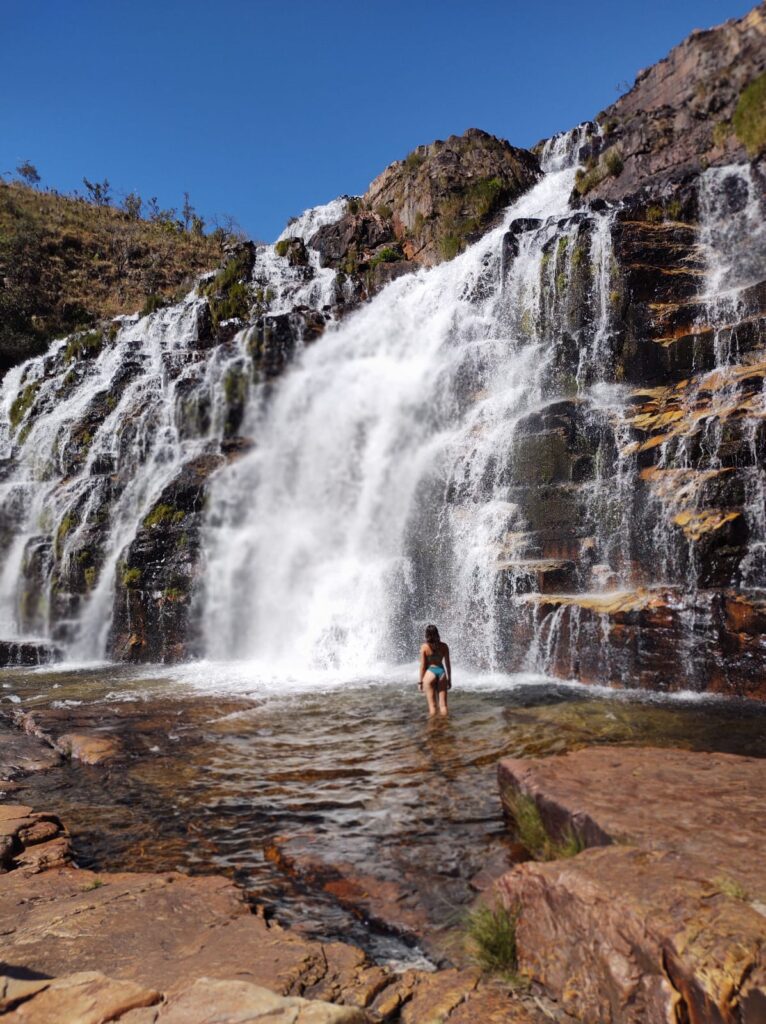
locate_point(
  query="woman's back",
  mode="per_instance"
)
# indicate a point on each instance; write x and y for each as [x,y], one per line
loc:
[435,652]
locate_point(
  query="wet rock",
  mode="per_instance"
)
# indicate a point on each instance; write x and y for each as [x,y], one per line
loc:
[22,755]
[152,605]
[53,726]
[665,921]
[28,652]
[88,748]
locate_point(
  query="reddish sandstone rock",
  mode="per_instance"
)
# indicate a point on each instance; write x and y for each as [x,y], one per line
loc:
[85,998]
[32,841]
[677,117]
[708,807]
[667,921]
[88,748]
[207,1001]
[635,937]
[20,755]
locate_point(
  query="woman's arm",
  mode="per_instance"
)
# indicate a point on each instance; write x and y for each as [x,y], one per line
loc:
[448,666]
[423,668]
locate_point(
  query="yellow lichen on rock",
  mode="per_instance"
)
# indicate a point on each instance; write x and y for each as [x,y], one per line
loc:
[695,522]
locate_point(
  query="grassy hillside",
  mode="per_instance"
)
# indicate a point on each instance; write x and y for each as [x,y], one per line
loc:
[66,263]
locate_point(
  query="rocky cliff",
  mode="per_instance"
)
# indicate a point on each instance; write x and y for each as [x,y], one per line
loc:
[700,107]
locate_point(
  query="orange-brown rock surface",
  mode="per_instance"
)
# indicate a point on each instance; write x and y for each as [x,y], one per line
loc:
[144,948]
[663,918]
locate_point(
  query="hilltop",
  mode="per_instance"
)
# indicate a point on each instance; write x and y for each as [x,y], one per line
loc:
[67,264]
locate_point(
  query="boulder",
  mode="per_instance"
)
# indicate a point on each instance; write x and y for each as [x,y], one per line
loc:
[662,917]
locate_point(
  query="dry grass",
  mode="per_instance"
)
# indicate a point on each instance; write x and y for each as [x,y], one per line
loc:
[533,835]
[68,264]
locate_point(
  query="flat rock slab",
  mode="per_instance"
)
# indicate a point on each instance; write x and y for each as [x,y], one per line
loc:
[666,922]
[706,806]
[91,998]
[161,934]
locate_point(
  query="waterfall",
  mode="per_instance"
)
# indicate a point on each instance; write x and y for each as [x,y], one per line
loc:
[377,496]
[460,449]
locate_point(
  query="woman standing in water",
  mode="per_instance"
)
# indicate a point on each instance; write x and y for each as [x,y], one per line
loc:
[435,671]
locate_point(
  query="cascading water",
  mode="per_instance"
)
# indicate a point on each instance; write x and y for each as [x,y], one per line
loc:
[418,463]
[378,494]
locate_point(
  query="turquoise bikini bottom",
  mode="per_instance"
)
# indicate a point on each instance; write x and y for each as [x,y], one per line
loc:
[437,670]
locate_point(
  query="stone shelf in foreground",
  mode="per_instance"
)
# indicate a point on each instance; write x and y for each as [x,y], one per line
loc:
[663,917]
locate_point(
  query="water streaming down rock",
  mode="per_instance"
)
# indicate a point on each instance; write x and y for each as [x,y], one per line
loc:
[551,445]
[380,493]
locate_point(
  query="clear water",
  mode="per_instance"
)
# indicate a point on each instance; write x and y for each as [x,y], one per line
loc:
[311,791]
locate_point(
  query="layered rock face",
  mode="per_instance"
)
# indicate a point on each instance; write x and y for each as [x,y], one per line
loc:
[428,207]
[645,559]
[644,491]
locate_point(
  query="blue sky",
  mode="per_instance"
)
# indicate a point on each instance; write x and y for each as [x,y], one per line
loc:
[259,109]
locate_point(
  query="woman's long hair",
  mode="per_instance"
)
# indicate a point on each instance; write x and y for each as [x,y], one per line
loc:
[432,635]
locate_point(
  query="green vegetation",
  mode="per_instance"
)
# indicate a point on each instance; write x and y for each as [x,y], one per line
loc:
[65,527]
[235,387]
[731,887]
[721,132]
[384,211]
[23,402]
[90,576]
[486,196]
[749,118]
[418,223]
[282,247]
[130,577]
[67,264]
[613,162]
[491,938]
[83,346]
[152,303]
[594,172]
[579,256]
[386,255]
[174,594]
[228,295]
[450,246]
[533,835]
[674,209]
[97,883]
[413,160]
[353,206]
[655,214]
[163,515]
